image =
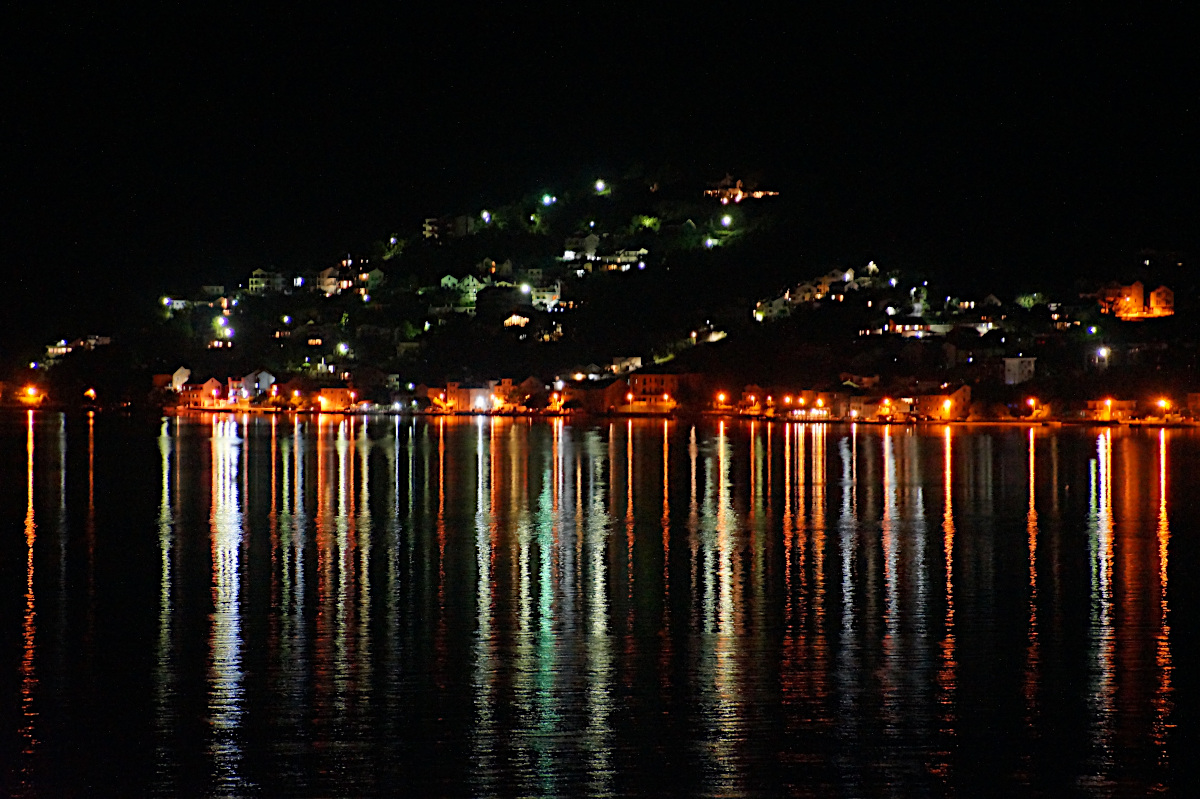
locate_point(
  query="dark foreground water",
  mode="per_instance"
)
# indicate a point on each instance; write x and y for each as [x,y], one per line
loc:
[334,606]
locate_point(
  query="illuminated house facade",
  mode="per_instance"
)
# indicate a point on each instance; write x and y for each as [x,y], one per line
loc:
[1132,302]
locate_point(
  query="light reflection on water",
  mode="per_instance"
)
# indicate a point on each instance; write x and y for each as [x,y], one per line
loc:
[338,605]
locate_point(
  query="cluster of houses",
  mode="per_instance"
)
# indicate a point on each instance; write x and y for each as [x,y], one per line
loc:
[832,285]
[257,390]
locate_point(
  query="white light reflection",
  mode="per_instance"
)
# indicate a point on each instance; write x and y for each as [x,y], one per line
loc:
[164,671]
[1101,634]
[225,639]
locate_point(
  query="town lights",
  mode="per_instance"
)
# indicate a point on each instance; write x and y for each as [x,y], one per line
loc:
[787,400]
[666,397]
[296,394]
[1108,403]
[486,216]
[90,393]
[726,220]
[1031,402]
[548,199]
[629,397]
[721,397]
[886,401]
[601,186]
[947,405]
[30,391]
[1165,404]
[820,403]
[1102,352]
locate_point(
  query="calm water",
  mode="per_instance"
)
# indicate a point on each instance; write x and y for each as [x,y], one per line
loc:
[333,606]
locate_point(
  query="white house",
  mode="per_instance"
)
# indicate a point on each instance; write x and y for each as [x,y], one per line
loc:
[546,297]
[581,247]
[1018,370]
[263,281]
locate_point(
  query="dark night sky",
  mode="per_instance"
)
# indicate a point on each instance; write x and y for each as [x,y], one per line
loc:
[144,147]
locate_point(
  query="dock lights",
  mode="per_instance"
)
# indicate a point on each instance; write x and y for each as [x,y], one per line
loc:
[721,397]
[629,397]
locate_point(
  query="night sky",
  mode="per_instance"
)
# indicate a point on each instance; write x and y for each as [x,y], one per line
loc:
[148,148]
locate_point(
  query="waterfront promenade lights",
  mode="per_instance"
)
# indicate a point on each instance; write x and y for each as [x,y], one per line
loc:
[629,397]
[1164,404]
[787,399]
[721,398]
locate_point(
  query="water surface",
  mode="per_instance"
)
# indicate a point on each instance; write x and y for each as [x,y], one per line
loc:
[233,605]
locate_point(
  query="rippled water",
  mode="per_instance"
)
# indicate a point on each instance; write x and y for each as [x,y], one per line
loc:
[336,606]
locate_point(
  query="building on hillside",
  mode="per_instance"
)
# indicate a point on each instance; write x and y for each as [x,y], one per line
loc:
[263,281]
[1130,303]
[596,396]
[208,394]
[880,409]
[1110,410]
[1018,369]
[336,399]
[581,247]
[945,405]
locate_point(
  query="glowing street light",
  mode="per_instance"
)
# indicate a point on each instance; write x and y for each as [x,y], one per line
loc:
[487,217]
[30,391]
[90,393]
[1102,352]
[1165,404]
[726,220]
[601,186]
[721,397]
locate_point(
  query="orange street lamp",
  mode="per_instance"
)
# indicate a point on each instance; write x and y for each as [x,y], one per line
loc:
[887,401]
[1164,403]
[666,397]
[820,403]
[1031,402]
[721,397]
[629,397]
[947,405]
[787,399]
[90,393]
[30,391]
